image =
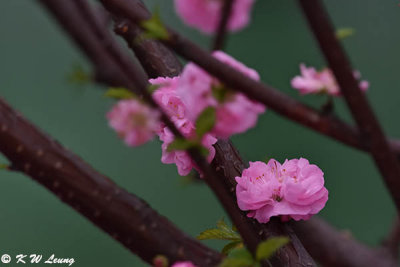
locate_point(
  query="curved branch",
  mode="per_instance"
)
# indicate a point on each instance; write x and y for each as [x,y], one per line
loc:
[125,217]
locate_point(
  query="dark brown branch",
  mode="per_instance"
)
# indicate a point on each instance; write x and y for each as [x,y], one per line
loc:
[274,99]
[156,59]
[392,241]
[333,248]
[123,216]
[371,131]
[220,37]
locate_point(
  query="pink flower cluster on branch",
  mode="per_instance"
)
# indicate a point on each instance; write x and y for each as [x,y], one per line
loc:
[205,15]
[234,111]
[167,97]
[294,189]
[184,99]
[312,82]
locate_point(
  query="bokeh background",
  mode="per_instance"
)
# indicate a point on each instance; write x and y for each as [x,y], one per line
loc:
[36,58]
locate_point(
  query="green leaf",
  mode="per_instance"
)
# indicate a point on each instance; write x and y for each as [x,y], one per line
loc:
[222,232]
[205,122]
[4,166]
[231,245]
[119,93]
[79,75]
[221,93]
[268,247]
[154,28]
[180,144]
[236,263]
[239,257]
[153,87]
[343,33]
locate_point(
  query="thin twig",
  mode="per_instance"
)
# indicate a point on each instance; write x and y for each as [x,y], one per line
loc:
[220,37]
[370,129]
[125,217]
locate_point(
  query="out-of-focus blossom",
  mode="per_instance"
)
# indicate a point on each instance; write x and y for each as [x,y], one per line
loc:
[205,15]
[235,113]
[135,122]
[312,82]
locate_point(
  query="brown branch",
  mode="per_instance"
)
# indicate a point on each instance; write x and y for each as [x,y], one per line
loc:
[371,131]
[125,217]
[220,37]
[274,99]
[333,248]
[156,59]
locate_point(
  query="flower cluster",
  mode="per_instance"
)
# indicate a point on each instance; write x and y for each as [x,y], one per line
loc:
[235,113]
[294,189]
[311,81]
[205,15]
[167,97]
[134,121]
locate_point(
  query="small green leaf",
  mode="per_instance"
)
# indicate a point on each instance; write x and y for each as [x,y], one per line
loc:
[239,257]
[180,144]
[205,122]
[79,75]
[221,93]
[267,248]
[231,245]
[222,232]
[152,88]
[154,28]
[343,33]
[4,166]
[119,93]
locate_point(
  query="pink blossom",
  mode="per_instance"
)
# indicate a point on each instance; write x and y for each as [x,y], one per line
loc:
[294,190]
[181,158]
[166,96]
[311,81]
[183,264]
[235,112]
[205,15]
[134,121]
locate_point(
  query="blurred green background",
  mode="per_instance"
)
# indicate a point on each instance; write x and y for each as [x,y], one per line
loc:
[36,57]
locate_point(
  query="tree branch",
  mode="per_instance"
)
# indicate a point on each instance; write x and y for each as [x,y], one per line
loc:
[371,131]
[125,217]
[333,248]
[220,37]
